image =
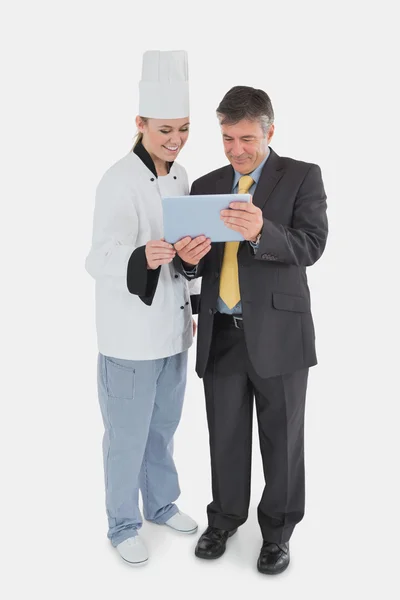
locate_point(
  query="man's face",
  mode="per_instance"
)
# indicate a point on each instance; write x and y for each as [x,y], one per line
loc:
[245,144]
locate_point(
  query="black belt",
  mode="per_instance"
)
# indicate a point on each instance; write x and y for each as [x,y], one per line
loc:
[225,320]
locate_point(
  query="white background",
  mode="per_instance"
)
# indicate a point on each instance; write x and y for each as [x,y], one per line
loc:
[69,76]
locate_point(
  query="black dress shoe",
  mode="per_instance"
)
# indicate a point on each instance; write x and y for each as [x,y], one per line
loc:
[213,542]
[273,559]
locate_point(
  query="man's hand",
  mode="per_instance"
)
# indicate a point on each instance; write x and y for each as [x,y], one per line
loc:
[191,251]
[158,252]
[194,327]
[245,218]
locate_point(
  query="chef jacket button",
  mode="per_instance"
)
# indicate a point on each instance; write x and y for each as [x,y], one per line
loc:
[186,303]
[176,276]
[174,176]
[182,307]
[152,179]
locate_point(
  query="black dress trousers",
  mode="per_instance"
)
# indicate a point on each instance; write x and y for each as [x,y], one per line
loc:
[231,385]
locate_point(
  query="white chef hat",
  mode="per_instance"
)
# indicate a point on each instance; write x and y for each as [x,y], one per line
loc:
[164,87]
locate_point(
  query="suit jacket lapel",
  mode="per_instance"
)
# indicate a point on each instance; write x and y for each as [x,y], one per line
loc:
[270,175]
[223,186]
[225,182]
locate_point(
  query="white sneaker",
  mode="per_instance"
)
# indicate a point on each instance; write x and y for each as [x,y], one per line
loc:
[133,551]
[182,523]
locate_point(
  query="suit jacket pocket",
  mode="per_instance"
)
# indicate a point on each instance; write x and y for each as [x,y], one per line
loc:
[289,302]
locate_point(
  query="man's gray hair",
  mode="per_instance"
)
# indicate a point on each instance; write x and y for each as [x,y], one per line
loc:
[242,102]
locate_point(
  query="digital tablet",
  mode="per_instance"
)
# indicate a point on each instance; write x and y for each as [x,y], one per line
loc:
[199,215]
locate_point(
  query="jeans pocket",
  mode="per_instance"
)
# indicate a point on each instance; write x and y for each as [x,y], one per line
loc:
[120,379]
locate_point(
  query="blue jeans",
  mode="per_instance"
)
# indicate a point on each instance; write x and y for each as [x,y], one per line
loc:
[141,404]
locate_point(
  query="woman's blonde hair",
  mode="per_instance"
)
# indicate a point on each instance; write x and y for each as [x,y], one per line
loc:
[139,136]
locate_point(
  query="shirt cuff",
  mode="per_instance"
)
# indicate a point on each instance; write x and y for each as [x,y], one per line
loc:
[190,272]
[255,246]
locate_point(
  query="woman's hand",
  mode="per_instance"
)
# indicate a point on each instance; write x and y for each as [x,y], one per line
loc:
[158,252]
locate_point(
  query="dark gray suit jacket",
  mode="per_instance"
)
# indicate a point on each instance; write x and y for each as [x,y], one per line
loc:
[278,324]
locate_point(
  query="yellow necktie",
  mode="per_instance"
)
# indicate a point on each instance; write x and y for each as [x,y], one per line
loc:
[229,289]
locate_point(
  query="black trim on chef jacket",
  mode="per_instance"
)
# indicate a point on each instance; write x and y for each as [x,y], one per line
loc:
[145,157]
[195,303]
[140,280]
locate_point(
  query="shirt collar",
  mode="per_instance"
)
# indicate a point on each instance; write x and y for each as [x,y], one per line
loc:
[145,157]
[254,174]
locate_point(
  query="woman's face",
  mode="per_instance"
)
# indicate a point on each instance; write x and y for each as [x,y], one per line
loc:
[164,138]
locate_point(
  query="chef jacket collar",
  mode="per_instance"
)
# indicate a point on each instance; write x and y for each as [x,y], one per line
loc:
[145,157]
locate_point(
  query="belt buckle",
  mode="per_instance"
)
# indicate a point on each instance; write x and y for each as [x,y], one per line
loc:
[238,321]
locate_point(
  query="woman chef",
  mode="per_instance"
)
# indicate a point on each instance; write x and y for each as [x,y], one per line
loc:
[143,312]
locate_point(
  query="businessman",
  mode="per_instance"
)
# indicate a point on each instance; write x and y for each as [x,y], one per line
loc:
[255,333]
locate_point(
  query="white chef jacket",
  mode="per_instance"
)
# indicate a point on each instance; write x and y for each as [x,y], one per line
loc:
[128,214]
